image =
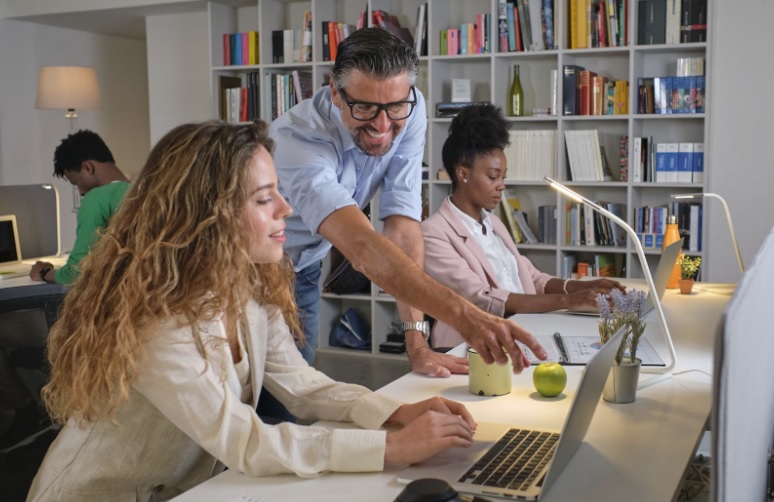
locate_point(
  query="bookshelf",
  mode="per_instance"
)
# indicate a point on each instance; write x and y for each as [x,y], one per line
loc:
[490,77]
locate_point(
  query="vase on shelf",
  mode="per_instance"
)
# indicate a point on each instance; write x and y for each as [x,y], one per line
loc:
[621,384]
[686,286]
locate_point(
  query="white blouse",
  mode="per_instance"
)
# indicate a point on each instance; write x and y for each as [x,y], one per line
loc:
[503,262]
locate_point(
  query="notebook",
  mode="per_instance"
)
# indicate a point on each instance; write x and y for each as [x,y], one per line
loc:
[10,253]
[664,269]
[462,469]
[577,350]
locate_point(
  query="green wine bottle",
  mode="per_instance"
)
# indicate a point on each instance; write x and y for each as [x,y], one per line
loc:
[516,96]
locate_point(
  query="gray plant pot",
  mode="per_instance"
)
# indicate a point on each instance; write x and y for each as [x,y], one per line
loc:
[621,385]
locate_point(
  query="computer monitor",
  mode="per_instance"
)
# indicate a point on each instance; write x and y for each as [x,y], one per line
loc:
[743,404]
[37,217]
[10,252]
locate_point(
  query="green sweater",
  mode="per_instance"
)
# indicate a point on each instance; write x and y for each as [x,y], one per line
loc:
[97,207]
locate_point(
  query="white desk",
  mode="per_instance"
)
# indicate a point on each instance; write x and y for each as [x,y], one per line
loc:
[23,287]
[634,451]
[25,280]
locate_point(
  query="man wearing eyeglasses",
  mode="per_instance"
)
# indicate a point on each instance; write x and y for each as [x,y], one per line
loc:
[365,132]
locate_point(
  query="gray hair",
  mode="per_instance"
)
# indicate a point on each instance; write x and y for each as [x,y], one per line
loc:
[375,52]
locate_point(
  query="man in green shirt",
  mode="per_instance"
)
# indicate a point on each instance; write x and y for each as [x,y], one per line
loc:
[84,160]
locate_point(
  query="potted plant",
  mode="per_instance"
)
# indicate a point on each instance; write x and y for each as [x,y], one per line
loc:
[689,267]
[616,310]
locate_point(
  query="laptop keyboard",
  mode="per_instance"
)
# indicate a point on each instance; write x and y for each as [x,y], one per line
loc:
[514,461]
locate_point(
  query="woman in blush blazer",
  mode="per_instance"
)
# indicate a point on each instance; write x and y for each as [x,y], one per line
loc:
[469,249]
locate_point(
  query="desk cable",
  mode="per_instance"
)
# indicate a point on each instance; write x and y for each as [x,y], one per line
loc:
[666,376]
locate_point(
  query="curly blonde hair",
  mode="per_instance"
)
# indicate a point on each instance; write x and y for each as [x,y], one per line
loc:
[178,246]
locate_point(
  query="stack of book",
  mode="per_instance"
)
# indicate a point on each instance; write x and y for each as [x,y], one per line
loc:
[526,26]
[531,155]
[241,49]
[586,156]
[598,23]
[584,92]
[468,38]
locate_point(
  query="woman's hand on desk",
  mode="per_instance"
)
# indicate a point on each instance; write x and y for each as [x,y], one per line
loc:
[430,426]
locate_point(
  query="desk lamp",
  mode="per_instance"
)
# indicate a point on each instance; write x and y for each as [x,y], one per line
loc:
[643,262]
[728,217]
[58,219]
[68,88]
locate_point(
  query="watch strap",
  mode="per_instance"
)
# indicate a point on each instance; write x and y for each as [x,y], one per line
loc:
[421,326]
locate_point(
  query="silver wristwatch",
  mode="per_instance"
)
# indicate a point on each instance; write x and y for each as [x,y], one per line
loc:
[422,326]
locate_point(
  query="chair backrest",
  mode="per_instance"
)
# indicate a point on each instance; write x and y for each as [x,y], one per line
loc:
[743,403]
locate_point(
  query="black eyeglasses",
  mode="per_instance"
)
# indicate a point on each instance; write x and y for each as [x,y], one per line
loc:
[365,111]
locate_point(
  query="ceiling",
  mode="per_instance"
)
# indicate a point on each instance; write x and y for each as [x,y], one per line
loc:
[124,22]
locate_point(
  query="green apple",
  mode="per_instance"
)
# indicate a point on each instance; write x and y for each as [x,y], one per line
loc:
[549,379]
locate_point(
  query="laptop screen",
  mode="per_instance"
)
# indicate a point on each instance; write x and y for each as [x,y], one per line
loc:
[9,240]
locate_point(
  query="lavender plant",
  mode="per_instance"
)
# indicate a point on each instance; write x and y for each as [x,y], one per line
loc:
[627,310]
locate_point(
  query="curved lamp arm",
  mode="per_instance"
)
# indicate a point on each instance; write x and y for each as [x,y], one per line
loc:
[643,262]
[728,218]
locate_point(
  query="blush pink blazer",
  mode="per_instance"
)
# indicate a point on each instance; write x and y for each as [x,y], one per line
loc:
[454,258]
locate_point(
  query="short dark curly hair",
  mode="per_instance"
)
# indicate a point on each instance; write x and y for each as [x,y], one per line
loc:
[477,130]
[77,148]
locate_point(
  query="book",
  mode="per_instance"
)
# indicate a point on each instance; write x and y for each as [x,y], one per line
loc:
[226,82]
[447,110]
[698,31]
[333,39]
[306,38]
[507,216]
[277,46]
[698,163]
[548,23]
[535,24]
[570,101]
[226,49]
[326,43]
[673,21]
[421,27]
[521,222]
[685,163]
[522,15]
[288,45]
[686,17]
[510,27]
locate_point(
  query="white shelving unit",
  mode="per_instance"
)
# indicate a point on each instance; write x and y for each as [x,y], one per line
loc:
[490,76]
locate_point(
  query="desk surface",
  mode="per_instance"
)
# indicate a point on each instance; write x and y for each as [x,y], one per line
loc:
[632,451]
[18,282]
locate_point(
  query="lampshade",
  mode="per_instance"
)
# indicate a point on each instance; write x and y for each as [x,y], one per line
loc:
[68,88]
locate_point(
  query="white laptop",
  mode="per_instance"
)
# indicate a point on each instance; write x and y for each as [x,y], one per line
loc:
[480,469]
[666,264]
[10,252]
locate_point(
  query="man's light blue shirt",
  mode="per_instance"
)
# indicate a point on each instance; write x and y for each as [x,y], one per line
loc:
[321,170]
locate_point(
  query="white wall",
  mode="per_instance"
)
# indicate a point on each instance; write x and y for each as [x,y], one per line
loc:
[28,136]
[178,70]
[741,133]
